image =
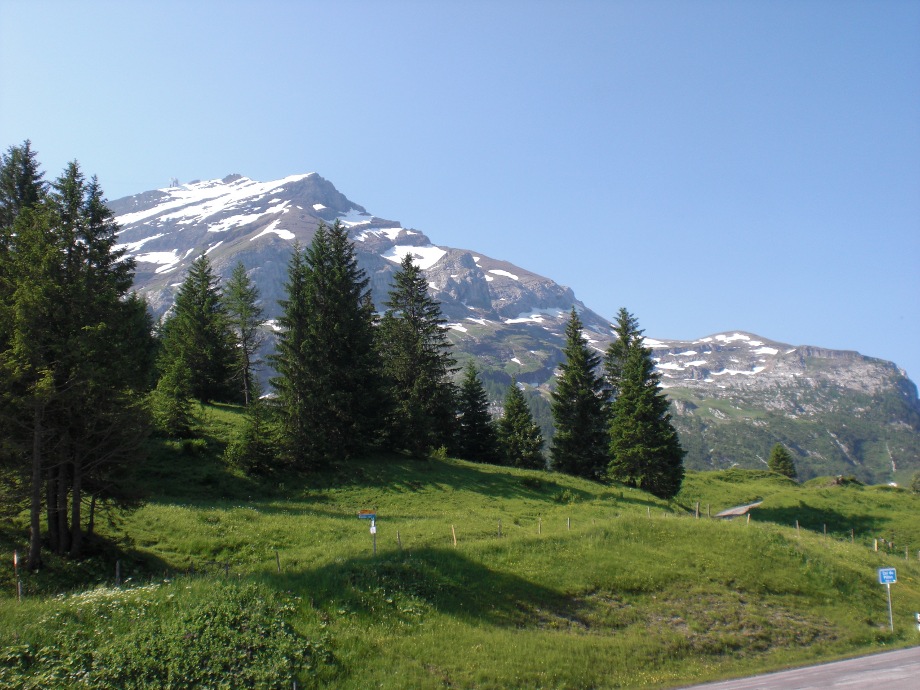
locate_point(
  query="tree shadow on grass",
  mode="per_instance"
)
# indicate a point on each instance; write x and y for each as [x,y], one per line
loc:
[815,519]
[443,579]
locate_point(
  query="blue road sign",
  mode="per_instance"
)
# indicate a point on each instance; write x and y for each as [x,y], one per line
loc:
[367,515]
[887,576]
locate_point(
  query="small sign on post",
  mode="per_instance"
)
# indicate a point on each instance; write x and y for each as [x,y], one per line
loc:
[372,516]
[887,577]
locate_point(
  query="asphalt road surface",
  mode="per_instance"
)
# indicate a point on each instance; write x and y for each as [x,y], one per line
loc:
[898,670]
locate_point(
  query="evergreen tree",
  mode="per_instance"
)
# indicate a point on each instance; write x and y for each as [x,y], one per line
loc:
[21,182]
[781,461]
[342,399]
[171,402]
[198,333]
[644,448]
[519,437]
[290,361]
[628,336]
[255,448]
[417,365]
[579,409]
[476,439]
[245,317]
[69,351]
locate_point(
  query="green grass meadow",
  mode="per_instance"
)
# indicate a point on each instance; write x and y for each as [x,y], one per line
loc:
[554,582]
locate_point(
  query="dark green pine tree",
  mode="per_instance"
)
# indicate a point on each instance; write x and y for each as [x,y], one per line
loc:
[417,365]
[343,394]
[198,333]
[628,336]
[291,384]
[644,448]
[21,182]
[579,409]
[245,317]
[781,461]
[519,437]
[171,403]
[476,437]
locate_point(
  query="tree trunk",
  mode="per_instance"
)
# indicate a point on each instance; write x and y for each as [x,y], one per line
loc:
[51,508]
[35,505]
[76,534]
[92,517]
[63,544]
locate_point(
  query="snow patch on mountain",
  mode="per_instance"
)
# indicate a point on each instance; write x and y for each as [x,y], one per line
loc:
[738,372]
[163,259]
[197,201]
[273,228]
[132,247]
[506,274]
[535,316]
[389,233]
[424,257]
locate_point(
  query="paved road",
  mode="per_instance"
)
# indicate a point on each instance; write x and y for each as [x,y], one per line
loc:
[898,670]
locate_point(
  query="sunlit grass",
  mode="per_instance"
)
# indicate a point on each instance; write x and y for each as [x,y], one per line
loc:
[588,585]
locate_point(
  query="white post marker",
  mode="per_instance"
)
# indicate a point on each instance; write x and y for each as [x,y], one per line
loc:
[372,516]
[887,576]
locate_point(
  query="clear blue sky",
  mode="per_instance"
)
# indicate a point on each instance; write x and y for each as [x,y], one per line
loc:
[709,165]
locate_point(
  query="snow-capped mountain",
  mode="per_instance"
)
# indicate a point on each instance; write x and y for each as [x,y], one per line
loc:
[735,394]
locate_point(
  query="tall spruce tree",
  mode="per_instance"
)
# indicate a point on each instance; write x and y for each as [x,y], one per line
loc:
[579,409]
[290,361]
[417,364]
[476,437]
[197,332]
[628,336]
[245,318]
[328,381]
[645,451]
[781,461]
[519,437]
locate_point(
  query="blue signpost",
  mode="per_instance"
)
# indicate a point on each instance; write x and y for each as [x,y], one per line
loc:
[888,576]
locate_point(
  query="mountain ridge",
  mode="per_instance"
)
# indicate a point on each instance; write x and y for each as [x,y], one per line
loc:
[725,387]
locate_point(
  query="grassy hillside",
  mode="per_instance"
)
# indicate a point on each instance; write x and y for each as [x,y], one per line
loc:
[586,585]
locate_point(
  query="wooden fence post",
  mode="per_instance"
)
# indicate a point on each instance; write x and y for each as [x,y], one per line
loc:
[398,540]
[499,529]
[697,510]
[278,561]
[539,525]
[454,533]
[568,523]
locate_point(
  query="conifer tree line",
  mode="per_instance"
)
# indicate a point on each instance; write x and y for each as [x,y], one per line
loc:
[76,350]
[86,376]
